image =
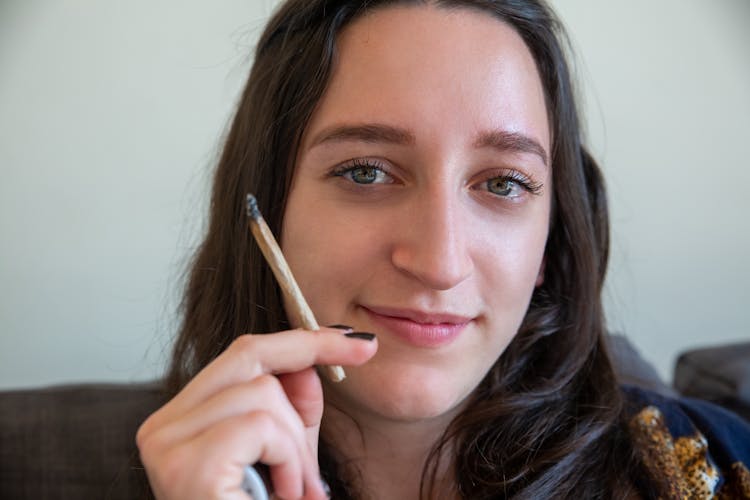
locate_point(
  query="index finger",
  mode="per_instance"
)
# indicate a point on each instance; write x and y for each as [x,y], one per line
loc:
[250,356]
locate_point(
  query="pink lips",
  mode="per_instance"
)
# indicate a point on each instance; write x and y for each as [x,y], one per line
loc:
[418,328]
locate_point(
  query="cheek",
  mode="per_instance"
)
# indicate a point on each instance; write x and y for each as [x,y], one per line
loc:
[510,265]
[330,254]
[518,244]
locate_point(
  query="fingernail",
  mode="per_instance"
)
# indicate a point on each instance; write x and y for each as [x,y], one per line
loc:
[360,335]
[341,327]
[326,488]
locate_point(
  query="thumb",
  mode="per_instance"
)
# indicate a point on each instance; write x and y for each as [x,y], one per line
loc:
[305,393]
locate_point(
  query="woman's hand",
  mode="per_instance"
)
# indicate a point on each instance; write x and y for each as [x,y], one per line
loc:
[259,401]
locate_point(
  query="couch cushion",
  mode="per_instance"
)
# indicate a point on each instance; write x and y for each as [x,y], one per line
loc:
[720,374]
[74,441]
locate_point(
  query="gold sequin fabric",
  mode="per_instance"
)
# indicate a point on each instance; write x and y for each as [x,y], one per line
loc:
[681,468]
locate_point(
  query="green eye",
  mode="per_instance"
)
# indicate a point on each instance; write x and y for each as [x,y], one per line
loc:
[364,175]
[511,185]
[501,186]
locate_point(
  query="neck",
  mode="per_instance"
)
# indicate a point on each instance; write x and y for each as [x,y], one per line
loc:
[385,457]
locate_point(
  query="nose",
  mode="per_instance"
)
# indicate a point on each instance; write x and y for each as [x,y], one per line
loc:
[432,242]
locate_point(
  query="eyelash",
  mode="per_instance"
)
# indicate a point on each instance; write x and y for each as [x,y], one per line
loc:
[512,175]
[521,179]
[359,163]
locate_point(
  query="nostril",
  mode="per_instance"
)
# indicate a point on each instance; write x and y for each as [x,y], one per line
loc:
[440,266]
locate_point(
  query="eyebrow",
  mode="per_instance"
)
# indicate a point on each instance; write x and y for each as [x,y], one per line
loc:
[511,141]
[501,140]
[371,132]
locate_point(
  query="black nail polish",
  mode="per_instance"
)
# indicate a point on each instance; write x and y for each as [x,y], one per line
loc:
[360,335]
[341,327]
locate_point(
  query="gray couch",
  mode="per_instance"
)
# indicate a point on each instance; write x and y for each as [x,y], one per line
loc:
[74,441]
[77,441]
[718,374]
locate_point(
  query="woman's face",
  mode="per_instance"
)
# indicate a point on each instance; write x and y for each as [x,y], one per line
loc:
[420,204]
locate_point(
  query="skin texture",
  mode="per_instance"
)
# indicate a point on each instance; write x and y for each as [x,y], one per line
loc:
[427,236]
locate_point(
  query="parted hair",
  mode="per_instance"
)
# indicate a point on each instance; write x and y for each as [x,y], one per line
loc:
[546,420]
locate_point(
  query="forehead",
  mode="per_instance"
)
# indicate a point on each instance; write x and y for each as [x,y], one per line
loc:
[418,64]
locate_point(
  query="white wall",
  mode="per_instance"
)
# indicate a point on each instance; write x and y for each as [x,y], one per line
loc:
[111,114]
[110,118]
[667,87]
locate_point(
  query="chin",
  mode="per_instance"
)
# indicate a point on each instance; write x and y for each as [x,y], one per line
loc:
[406,398]
[416,409]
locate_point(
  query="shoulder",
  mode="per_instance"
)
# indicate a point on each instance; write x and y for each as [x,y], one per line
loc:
[688,445]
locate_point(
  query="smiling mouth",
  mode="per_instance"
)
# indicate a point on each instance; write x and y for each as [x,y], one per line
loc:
[419,328]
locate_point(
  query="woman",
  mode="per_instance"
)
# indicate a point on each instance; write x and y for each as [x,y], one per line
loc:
[422,165]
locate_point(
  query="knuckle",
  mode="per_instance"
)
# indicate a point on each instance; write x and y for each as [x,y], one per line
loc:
[244,343]
[272,392]
[143,440]
[263,422]
[145,430]
[269,386]
[173,466]
[245,347]
[140,436]
[149,446]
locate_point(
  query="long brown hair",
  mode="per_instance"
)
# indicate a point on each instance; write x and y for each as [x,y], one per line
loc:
[544,423]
